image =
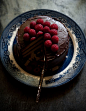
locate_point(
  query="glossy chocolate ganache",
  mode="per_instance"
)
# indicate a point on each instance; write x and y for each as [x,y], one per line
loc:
[31,52]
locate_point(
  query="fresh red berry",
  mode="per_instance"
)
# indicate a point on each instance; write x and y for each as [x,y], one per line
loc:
[26,37]
[32,32]
[32,38]
[46,29]
[46,23]
[53,32]
[54,47]
[26,29]
[48,43]
[55,39]
[39,33]
[40,21]
[39,27]
[32,24]
[54,26]
[47,36]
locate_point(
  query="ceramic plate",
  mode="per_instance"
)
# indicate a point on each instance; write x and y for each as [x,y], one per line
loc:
[72,65]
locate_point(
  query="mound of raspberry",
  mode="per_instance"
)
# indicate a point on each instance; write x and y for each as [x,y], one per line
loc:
[26,37]
[53,32]
[39,27]
[46,23]
[46,29]
[54,26]
[55,39]
[40,21]
[47,36]
[54,47]
[39,33]
[26,29]
[32,32]
[32,24]
[48,43]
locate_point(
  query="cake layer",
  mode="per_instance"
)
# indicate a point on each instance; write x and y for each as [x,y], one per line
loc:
[35,49]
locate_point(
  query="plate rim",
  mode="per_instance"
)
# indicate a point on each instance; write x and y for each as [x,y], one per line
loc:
[52,11]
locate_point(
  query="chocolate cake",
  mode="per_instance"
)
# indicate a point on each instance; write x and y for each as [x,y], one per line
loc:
[39,36]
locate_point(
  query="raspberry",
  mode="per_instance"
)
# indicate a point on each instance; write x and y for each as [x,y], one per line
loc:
[47,36]
[32,38]
[39,33]
[46,29]
[26,29]
[38,27]
[26,37]
[48,43]
[40,21]
[54,26]
[32,32]
[46,23]
[55,39]
[53,32]
[54,47]
[32,24]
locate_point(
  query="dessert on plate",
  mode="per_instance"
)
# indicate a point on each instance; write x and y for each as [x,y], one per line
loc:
[39,37]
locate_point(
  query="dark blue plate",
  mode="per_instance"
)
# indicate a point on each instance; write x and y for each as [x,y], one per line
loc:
[72,65]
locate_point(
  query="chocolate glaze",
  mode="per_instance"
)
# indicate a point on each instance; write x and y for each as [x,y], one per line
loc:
[52,59]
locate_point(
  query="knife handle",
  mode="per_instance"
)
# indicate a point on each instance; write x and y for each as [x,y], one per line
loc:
[39,86]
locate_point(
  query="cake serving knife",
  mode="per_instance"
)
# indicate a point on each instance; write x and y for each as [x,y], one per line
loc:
[40,82]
